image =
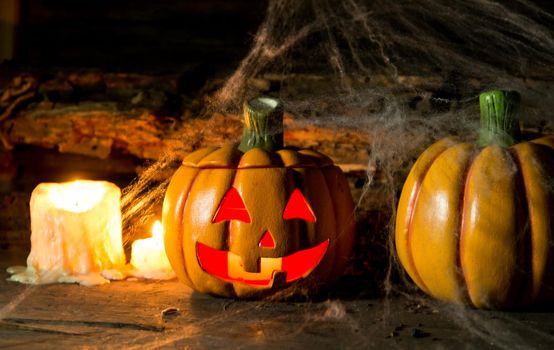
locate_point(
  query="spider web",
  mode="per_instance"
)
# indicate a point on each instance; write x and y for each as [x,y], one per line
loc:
[366,50]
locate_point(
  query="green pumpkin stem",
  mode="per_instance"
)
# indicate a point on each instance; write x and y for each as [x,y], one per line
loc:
[499,118]
[263,125]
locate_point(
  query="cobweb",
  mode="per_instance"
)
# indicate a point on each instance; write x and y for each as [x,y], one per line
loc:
[368,53]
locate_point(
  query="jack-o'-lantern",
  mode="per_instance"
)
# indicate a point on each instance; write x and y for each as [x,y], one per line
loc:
[251,219]
[474,224]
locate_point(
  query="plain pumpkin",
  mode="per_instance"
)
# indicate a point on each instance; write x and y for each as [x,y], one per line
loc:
[474,223]
[251,219]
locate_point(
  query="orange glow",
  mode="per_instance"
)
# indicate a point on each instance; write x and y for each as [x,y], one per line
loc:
[232,208]
[75,233]
[228,266]
[298,208]
[148,257]
[77,196]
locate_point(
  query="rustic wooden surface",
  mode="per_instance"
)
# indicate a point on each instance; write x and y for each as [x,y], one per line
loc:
[103,115]
[97,131]
[130,314]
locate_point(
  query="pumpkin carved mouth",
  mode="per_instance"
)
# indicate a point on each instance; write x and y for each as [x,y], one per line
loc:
[228,266]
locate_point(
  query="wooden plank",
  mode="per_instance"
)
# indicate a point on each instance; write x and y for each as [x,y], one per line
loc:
[99,131]
[129,314]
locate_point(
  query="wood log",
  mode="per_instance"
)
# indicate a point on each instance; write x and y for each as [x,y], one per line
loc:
[100,130]
[128,120]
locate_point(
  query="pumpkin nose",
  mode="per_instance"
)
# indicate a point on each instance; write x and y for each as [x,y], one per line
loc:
[267,241]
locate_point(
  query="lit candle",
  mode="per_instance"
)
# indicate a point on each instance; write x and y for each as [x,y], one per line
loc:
[148,258]
[75,233]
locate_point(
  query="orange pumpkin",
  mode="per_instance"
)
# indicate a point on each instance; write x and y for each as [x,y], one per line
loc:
[248,220]
[474,224]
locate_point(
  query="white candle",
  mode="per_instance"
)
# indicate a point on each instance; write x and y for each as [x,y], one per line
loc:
[75,233]
[148,258]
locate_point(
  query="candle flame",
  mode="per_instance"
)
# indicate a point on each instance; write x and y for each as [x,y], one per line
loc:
[77,196]
[157,231]
[148,257]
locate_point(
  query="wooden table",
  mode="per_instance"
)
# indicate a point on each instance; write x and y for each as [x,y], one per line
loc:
[129,314]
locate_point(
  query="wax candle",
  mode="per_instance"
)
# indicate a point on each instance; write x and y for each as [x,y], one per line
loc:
[75,233]
[148,258]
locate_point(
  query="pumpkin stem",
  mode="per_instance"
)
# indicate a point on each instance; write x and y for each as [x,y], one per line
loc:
[263,124]
[499,118]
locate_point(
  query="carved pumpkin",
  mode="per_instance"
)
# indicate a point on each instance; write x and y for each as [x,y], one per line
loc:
[474,224]
[248,220]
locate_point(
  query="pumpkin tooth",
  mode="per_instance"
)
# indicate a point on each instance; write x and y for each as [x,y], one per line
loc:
[228,266]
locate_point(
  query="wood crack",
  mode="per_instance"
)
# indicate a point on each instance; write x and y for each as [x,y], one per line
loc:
[95,324]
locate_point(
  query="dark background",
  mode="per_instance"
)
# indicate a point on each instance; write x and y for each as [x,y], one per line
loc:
[144,35]
[135,35]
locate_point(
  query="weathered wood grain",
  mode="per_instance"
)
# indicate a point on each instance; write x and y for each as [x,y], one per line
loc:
[99,131]
[129,315]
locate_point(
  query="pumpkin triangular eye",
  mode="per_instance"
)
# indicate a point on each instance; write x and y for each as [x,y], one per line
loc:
[298,208]
[232,208]
[267,241]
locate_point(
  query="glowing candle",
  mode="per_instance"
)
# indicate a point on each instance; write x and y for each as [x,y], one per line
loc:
[75,233]
[148,258]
